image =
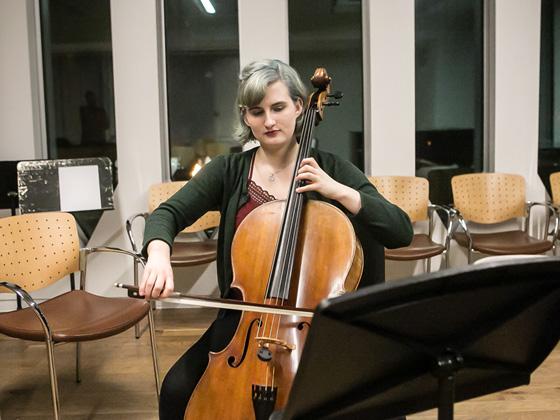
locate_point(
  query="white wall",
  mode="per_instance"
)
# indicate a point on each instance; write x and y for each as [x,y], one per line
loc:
[19,116]
[516,125]
[389,120]
[134,29]
[263,27]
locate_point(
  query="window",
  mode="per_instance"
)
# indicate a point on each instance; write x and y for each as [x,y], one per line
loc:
[202,58]
[329,34]
[549,109]
[78,81]
[449,91]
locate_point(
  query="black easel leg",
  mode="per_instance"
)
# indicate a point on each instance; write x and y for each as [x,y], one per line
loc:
[446,397]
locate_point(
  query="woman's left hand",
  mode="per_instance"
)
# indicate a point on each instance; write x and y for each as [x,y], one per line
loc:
[318,180]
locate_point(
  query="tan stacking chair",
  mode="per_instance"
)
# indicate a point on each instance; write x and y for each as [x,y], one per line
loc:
[203,250]
[412,195]
[38,249]
[490,199]
[184,254]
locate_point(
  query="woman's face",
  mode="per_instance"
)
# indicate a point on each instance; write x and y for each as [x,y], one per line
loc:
[273,120]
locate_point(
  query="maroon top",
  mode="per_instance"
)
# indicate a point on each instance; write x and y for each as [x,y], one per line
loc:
[257,196]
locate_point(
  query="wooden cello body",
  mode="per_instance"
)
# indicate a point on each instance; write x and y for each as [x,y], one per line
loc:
[317,255]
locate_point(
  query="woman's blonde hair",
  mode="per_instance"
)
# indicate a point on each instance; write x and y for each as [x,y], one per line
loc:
[253,81]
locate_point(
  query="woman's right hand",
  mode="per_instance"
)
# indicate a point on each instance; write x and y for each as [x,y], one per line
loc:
[157,280]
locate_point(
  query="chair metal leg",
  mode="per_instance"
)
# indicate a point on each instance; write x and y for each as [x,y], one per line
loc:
[154,350]
[137,332]
[78,361]
[428,265]
[54,383]
[470,256]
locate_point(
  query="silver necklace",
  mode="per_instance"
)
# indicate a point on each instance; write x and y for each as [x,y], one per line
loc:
[272,176]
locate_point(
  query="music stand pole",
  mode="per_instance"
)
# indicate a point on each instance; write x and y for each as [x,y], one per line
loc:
[12,195]
[448,365]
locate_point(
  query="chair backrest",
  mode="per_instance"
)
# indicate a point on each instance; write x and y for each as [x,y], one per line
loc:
[37,249]
[410,193]
[489,197]
[555,187]
[159,193]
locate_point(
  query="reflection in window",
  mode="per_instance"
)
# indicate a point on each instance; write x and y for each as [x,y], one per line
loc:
[329,34]
[449,91]
[549,110]
[78,80]
[202,58]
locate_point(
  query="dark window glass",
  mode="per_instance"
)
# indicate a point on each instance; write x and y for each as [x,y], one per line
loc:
[202,58]
[329,34]
[549,110]
[449,91]
[78,80]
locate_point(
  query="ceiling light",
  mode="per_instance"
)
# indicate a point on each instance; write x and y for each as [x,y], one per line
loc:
[208,6]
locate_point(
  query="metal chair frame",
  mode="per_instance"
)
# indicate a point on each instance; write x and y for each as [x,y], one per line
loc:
[460,222]
[432,210]
[50,343]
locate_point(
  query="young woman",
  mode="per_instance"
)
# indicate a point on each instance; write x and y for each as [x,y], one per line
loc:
[271,100]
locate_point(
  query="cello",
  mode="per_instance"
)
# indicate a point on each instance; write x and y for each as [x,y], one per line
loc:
[317,255]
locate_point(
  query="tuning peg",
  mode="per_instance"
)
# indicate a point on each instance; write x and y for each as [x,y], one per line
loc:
[337,94]
[331,103]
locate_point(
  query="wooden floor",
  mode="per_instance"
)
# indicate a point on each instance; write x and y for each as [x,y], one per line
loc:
[118,383]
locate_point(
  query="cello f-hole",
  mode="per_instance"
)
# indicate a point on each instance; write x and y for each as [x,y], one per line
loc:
[231,360]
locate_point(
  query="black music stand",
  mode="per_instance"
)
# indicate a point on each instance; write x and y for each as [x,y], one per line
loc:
[71,185]
[408,346]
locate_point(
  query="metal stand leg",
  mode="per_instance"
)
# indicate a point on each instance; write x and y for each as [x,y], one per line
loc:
[54,383]
[154,350]
[446,397]
[428,265]
[448,364]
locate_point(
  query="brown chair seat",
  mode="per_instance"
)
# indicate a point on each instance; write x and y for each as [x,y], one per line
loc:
[504,243]
[185,254]
[421,247]
[92,317]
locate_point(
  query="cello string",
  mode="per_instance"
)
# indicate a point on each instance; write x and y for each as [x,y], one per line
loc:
[298,198]
[281,278]
[295,215]
[273,375]
[284,260]
[273,286]
[291,228]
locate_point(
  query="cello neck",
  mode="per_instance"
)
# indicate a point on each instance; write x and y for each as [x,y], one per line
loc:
[279,282]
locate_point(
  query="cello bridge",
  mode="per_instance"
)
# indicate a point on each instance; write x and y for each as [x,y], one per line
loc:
[267,341]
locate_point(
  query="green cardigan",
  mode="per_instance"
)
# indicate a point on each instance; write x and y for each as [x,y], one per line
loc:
[222,185]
